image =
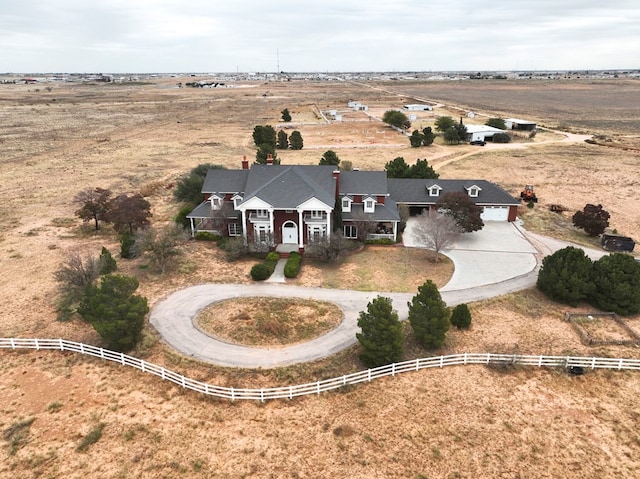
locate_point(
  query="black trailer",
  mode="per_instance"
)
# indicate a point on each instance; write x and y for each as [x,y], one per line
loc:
[617,243]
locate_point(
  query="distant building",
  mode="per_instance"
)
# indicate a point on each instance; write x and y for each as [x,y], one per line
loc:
[523,125]
[417,107]
[481,132]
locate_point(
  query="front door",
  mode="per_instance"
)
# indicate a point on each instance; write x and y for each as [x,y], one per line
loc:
[289,233]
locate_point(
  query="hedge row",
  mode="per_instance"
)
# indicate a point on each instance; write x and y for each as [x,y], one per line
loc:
[261,271]
[292,268]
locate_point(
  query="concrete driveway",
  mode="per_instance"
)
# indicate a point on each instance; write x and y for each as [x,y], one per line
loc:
[497,253]
[498,260]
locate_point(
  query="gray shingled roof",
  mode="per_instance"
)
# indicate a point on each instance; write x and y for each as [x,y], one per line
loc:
[289,186]
[414,191]
[225,181]
[363,183]
[383,212]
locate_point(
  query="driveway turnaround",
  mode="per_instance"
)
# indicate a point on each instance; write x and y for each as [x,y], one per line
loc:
[500,259]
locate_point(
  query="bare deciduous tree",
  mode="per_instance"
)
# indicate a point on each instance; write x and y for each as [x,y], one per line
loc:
[365,224]
[436,231]
[162,245]
[94,204]
[77,272]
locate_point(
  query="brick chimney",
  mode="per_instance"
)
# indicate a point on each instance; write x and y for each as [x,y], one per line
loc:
[269,159]
[245,163]
[336,176]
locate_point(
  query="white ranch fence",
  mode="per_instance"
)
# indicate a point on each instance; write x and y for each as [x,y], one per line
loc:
[289,392]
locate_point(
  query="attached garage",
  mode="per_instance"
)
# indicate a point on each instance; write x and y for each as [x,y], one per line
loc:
[495,213]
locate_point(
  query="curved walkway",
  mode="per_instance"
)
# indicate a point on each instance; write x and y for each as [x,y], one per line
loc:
[173,316]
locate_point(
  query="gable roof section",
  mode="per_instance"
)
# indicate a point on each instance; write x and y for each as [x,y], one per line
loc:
[290,186]
[225,181]
[363,183]
[414,191]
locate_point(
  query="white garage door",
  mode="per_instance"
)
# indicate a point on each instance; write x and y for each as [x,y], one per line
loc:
[495,213]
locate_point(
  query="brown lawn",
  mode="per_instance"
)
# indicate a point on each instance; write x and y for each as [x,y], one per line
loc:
[458,422]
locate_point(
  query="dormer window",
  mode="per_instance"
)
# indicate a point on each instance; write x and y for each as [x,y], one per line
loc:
[216,202]
[346,204]
[369,205]
[237,199]
[434,190]
[473,191]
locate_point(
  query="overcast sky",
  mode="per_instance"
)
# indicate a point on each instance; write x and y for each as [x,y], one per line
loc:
[316,36]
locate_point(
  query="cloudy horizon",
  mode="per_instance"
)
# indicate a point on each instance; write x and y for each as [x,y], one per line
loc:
[164,36]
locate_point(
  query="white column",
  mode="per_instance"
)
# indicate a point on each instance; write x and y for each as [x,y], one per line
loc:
[329,225]
[300,230]
[193,228]
[271,226]
[244,227]
[395,231]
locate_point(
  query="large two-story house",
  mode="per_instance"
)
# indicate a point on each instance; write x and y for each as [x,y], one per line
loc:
[296,204]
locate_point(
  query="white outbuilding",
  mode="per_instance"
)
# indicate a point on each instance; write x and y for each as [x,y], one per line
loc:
[417,107]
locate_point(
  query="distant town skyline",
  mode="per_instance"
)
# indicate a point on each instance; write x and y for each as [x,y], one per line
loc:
[146,36]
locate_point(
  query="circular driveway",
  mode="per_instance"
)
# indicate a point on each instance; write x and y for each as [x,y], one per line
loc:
[500,259]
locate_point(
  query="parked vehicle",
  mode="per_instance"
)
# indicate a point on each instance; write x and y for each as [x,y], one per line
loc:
[478,142]
[617,243]
[528,194]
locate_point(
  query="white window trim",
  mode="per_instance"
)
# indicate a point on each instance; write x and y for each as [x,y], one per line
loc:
[234,229]
[316,214]
[216,202]
[236,201]
[434,190]
[352,228]
[473,191]
[346,204]
[369,205]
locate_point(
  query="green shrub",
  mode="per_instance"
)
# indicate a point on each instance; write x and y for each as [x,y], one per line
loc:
[127,245]
[461,317]
[292,268]
[106,262]
[501,138]
[383,241]
[260,272]
[181,218]
[271,265]
[272,256]
[207,236]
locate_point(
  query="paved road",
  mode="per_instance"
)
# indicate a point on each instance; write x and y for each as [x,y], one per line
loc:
[173,317]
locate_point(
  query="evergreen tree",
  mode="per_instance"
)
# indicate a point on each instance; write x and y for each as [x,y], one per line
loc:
[396,118]
[397,168]
[295,140]
[337,216]
[421,169]
[381,334]
[106,262]
[127,245]
[451,136]
[115,312]
[264,134]
[565,276]
[330,158]
[263,153]
[283,140]
[461,316]
[428,136]
[443,123]
[429,316]
[416,139]
[616,280]
[496,123]
[286,116]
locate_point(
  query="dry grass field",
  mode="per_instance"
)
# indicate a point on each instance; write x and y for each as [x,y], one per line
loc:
[67,416]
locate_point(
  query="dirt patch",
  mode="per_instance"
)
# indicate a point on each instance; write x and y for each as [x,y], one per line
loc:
[268,321]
